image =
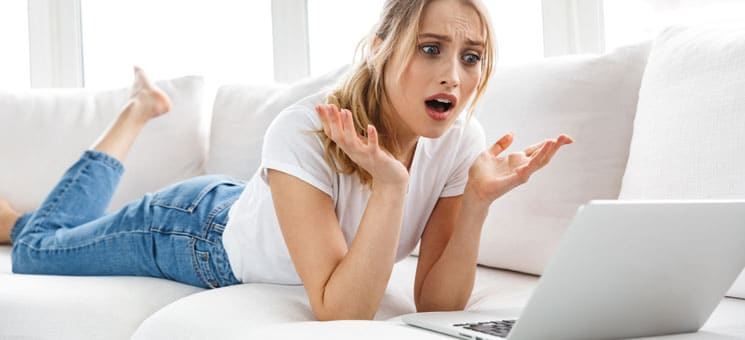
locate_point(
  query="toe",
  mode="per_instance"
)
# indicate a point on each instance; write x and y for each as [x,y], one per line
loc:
[141,79]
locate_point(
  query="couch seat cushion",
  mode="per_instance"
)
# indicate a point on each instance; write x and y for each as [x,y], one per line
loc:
[726,323]
[346,329]
[728,318]
[233,312]
[73,307]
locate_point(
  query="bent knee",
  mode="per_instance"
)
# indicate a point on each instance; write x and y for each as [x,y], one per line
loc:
[27,260]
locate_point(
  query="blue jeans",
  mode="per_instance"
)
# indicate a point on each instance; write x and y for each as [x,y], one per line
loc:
[175,233]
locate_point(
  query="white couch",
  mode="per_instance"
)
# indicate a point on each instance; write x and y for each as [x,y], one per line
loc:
[630,112]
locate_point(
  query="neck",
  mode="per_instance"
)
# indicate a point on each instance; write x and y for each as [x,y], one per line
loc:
[406,139]
[407,149]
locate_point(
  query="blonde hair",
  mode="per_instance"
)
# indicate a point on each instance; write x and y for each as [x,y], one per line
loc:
[363,91]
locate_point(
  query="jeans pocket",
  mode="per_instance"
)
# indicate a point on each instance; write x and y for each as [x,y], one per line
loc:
[212,263]
[185,196]
[202,260]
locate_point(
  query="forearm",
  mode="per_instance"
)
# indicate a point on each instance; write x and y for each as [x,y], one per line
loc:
[358,283]
[449,282]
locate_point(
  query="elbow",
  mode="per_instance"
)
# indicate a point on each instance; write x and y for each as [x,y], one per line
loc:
[424,309]
[335,317]
[441,306]
[348,313]
[331,316]
[429,301]
[341,305]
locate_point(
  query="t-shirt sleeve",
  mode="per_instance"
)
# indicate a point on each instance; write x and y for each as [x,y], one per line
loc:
[291,146]
[470,145]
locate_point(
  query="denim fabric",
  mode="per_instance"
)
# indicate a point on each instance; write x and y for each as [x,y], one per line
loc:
[175,233]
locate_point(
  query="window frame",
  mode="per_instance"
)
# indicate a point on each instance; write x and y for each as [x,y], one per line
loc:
[573,27]
[55,43]
[56,46]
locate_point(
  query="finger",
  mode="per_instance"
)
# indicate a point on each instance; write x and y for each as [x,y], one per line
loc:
[565,139]
[372,136]
[547,154]
[536,161]
[550,152]
[502,144]
[559,144]
[336,128]
[529,151]
[319,111]
[351,127]
[350,133]
[323,114]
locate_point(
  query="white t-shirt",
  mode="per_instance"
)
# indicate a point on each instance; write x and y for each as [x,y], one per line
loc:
[253,239]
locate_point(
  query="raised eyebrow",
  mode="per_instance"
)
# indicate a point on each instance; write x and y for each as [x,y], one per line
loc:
[478,43]
[469,42]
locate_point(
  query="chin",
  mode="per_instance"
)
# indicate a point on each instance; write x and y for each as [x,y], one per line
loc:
[435,132]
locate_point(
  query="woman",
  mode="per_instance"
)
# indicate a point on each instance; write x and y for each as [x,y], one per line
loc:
[342,194]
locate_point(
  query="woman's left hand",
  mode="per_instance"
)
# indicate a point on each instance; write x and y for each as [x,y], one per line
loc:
[492,176]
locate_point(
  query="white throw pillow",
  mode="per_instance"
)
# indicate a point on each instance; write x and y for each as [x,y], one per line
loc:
[241,115]
[590,97]
[43,132]
[688,138]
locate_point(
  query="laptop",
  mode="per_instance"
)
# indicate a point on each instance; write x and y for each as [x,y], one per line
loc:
[623,269]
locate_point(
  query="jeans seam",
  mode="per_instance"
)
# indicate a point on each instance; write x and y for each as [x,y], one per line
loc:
[224,275]
[105,159]
[168,205]
[218,227]
[18,226]
[55,202]
[94,242]
[199,238]
[215,211]
[195,263]
[194,203]
[208,223]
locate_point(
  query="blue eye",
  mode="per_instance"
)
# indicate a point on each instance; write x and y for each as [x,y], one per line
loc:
[430,49]
[471,59]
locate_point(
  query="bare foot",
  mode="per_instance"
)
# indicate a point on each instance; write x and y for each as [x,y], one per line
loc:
[145,102]
[8,218]
[147,99]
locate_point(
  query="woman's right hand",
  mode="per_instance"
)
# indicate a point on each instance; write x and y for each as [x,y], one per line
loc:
[365,151]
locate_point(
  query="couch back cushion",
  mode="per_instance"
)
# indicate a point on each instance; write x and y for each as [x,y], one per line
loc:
[590,97]
[241,115]
[689,139]
[44,131]
[593,98]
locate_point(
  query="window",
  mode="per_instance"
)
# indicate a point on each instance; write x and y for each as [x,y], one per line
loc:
[335,27]
[14,59]
[224,40]
[629,21]
[519,30]
[333,36]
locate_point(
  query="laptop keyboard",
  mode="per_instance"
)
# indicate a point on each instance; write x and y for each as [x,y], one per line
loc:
[496,328]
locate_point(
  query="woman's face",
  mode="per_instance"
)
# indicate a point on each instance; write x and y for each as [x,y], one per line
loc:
[442,74]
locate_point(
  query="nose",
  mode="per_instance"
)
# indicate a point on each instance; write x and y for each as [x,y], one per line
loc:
[450,76]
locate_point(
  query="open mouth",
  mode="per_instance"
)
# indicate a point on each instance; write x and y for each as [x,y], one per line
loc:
[439,104]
